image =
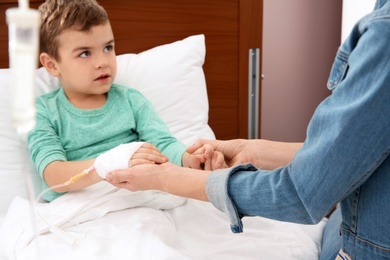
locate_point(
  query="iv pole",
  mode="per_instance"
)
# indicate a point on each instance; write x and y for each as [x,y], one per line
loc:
[23,31]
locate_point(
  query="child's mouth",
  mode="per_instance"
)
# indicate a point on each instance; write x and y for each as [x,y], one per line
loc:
[103,77]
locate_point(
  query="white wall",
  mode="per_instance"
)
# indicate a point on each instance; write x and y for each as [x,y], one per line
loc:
[353,10]
[300,40]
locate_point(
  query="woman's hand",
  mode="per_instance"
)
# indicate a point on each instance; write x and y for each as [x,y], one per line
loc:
[165,177]
[262,153]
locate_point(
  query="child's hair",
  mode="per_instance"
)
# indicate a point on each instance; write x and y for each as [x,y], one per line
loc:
[60,15]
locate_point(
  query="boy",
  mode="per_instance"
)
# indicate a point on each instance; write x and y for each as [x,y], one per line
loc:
[89,115]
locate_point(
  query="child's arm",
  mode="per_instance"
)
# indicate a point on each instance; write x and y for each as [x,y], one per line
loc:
[120,157]
[59,172]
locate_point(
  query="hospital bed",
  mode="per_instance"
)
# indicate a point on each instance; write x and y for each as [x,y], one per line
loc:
[184,56]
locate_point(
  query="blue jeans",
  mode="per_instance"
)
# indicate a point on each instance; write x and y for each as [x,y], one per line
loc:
[331,238]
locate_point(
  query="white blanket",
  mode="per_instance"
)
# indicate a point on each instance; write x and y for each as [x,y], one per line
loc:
[118,224]
[70,210]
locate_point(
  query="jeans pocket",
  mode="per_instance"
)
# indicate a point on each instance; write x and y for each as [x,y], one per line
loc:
[338,71]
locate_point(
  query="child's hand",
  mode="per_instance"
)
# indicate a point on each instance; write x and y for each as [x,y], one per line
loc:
[204,152]
[215,161]
[194,161]
[147,153]
[204,158]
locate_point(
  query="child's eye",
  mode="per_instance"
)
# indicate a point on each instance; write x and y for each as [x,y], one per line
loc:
[109,48]
[85,54]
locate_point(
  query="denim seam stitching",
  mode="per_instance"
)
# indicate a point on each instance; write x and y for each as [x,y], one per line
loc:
[365,241]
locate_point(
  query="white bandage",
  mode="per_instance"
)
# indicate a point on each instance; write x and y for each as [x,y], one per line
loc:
[117,158]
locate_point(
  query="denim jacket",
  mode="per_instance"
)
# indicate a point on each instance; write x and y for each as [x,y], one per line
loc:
[345,157]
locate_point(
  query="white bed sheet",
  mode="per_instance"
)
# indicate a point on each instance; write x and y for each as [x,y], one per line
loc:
[134,226]
[2,216]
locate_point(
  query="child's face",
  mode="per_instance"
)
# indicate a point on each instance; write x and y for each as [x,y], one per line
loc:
[87,64]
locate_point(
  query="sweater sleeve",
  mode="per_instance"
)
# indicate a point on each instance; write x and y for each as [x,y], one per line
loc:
[43,142]
[152,129]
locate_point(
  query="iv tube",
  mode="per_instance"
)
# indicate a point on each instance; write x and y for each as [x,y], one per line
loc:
[54,229]
[23,4]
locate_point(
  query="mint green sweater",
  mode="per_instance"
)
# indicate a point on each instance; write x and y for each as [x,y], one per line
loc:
[66,133]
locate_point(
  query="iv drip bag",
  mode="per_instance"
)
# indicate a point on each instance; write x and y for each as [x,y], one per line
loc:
[23,29]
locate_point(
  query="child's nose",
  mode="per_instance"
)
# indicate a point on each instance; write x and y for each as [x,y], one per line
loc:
[101,62]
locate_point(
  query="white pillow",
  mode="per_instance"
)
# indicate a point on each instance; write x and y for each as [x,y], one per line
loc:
[170,76]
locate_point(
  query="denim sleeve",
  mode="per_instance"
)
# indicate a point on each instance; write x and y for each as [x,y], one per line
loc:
[347,139]
[217,192]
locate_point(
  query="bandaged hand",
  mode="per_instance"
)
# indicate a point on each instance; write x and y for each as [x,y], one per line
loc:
[125,155]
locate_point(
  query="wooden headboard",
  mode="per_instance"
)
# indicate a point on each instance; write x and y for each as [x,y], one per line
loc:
[231,27]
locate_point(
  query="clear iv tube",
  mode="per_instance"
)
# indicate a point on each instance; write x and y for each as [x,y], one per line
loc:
[54,229]
[39,198]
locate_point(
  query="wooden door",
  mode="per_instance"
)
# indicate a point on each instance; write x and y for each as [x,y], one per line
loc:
[231,27]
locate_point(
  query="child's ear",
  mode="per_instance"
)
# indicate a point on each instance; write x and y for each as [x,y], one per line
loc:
[50,64]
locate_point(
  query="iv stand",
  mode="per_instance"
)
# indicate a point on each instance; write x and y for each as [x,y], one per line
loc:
[23,28]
